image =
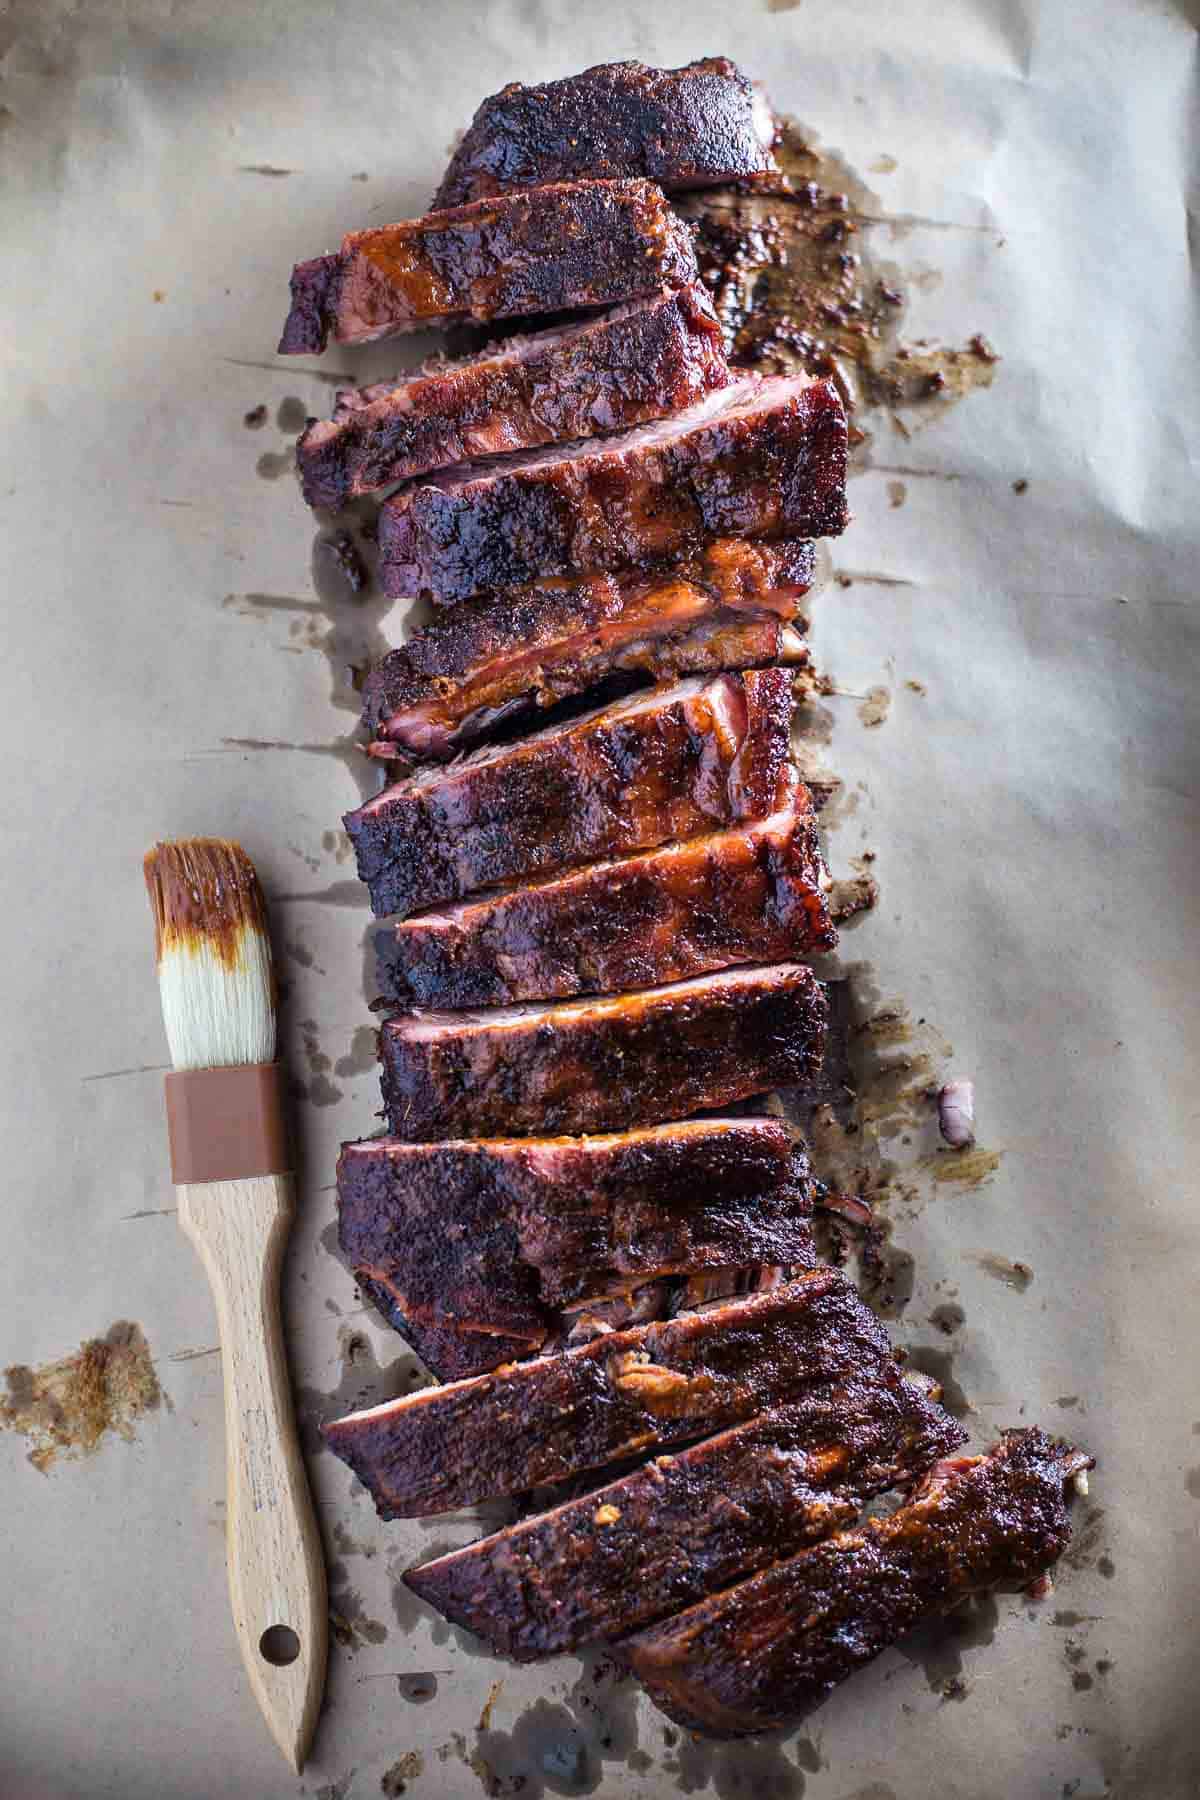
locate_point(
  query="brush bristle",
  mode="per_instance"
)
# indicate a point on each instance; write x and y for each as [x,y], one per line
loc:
[215,979]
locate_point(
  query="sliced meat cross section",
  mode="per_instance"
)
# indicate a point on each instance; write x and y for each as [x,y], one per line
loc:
[762,458]
[502,655]
[470,1248]
[555,1416]
[693,127]
[689,1524]
[748,894]
[673,762]
[641,362]
[757,1656]
[599,1065]
[573,244]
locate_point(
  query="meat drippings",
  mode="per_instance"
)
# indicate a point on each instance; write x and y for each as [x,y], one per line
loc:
[798,287]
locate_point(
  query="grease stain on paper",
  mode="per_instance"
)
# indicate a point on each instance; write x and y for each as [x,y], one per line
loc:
[347,1545]
[1015,1275]
[406,1768]
[926,1359]
[336,1790]
[871,1129]
[66,1408]
[250,606]
[560,1747]
[797,285]
[419,1688]
[876,704]
[338,845]
[320,1091]
[350,1623]
[363,1055]
[342,575]
[743,1771]
[970,1167]
[292,414]
[274,463]
[1085,1545]
[342,624]
[846,578]
[363,1382]
[937,1647]
[338,893]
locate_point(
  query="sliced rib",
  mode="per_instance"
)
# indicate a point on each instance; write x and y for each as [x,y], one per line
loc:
[641,362]
[687,1525]
[497,657]
[556,1416]
[757,1656]
[600,1065]
[752,893]
[762,458]
[693,127]
[471,1248]
[669,763]
[576,244]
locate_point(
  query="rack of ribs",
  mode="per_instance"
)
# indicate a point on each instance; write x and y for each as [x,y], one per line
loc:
[751,893]
[472,1248]
[762,458]
[757,1656]
[500,656]
[693,127]
[624,1392]
[602,1064]
[687,1525]
[594,955]
[643,361]
[572,244]
[672,762]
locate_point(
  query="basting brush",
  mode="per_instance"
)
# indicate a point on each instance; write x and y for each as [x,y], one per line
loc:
[230,1164]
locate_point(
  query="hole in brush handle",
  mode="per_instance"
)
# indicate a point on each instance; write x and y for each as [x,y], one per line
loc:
[279,1645]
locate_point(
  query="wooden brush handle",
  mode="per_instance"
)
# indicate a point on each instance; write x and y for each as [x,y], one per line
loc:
[276,1566]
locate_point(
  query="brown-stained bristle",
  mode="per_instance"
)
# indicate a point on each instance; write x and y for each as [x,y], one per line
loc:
[204,893]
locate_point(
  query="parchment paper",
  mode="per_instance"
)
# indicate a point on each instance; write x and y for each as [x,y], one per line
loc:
[1033,812]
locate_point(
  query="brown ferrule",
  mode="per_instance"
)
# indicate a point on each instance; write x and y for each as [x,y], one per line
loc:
[226,1124]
